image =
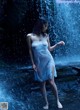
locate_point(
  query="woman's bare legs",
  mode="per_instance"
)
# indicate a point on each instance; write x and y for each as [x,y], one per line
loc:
[54,89]
[44,93]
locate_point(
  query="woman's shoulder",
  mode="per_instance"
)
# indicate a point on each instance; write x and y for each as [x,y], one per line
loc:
[30,36]
[47,36]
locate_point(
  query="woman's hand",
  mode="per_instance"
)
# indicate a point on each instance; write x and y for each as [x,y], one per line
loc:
[61,43]
[34,67]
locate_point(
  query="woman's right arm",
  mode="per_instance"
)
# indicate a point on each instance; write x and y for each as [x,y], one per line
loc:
[30,51]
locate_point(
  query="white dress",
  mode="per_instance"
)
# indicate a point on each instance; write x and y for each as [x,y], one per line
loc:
[43,61]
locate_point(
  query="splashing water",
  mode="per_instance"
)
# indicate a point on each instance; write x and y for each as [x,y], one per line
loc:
[64,20]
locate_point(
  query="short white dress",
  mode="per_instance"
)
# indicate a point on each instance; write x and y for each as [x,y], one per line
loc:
[43,60]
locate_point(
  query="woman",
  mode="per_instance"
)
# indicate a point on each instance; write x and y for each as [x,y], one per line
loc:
[42,60]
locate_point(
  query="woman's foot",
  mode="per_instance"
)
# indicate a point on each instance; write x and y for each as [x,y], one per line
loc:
[46,107]
[59,104]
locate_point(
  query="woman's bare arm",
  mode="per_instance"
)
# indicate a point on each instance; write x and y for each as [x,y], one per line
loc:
[30,50]
[51,48]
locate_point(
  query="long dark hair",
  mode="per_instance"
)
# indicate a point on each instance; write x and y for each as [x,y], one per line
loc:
[38,27]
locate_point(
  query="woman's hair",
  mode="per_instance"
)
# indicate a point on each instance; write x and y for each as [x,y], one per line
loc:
[38,27]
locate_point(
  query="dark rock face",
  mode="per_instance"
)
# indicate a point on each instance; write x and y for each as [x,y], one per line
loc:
[77,69]
[17,18]
[16,13]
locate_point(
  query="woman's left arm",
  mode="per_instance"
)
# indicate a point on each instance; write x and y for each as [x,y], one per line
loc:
[51,48]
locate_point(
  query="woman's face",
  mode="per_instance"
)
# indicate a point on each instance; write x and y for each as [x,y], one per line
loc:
[45,27]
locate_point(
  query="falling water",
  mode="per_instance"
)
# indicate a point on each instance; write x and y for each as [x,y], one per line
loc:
[64,20]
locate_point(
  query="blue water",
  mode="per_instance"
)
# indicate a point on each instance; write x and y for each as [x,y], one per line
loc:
[22,93]
[64,20]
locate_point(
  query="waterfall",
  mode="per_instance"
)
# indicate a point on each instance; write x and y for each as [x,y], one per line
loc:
[64,20]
